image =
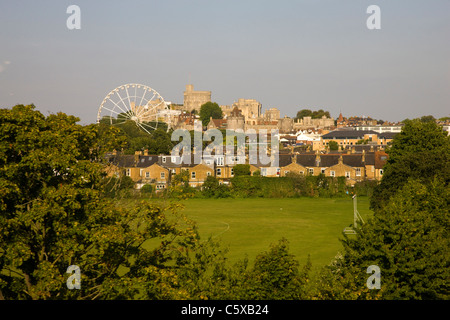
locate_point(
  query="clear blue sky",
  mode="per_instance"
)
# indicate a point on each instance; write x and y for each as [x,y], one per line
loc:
[286,54]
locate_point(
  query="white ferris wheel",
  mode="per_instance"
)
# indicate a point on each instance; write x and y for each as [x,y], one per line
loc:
[135,102]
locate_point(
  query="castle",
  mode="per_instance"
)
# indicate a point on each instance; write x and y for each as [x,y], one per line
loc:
[243,114]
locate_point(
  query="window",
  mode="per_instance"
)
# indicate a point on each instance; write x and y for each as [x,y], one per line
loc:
[128,172]
[147,174]
[381,172]
[311,171]
[219,161]
[347,174]
[264,171]
[173,159]
[302,172]
[208,173]
[332,173]
[358,172]
[164,159]
[163,175]
[278,171]
[140,172]
[218,171]
[174,171]
[193,175]
[322,170]
[232,171]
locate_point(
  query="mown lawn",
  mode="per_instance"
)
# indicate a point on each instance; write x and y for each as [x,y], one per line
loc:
[313,226]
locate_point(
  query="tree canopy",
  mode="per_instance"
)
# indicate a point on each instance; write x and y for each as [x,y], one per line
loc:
[420,151]
[210,110]
[54,214]
[313,114]
[408,236]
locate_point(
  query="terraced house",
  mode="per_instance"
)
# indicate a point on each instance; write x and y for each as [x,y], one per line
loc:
[345,138]
[158,170]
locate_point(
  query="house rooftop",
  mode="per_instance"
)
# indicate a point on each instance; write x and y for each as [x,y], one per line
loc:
[348,134]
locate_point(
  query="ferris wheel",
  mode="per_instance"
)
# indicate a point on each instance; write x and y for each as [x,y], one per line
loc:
[134,102]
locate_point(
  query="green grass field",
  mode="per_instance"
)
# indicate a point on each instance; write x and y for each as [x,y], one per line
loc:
[313,226]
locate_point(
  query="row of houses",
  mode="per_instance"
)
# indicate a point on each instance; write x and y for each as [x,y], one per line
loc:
[159,170]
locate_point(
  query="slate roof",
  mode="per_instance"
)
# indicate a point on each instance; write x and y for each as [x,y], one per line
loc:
[348,134]
[387,135]
[306,160]
[353,160]
[129,160]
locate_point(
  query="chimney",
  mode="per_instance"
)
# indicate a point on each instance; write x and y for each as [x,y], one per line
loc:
[363,156]
[146,152]
[317,158]
[294,158]
[341,160]
[136,156]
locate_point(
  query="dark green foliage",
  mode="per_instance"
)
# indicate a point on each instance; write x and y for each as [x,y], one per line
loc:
[241,170]
[210,110]
[213,189]
[333,145]
[118,187]
[408,239]
[54,213]
[136,139]
[146,189]
[276,275]
[293,185]
[313,114]
[421,151]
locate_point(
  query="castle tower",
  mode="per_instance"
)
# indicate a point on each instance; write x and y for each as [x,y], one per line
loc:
[193,100]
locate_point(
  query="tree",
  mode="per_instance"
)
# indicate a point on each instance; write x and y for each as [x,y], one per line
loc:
[157,141]
[408,235]
[146,189]
[210,110]
[333,145]
[407,239]
[313,114]
[303,113]
[241,170]
[275,275]
[213,189]
[428,118]
[421,151]
[53,214]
